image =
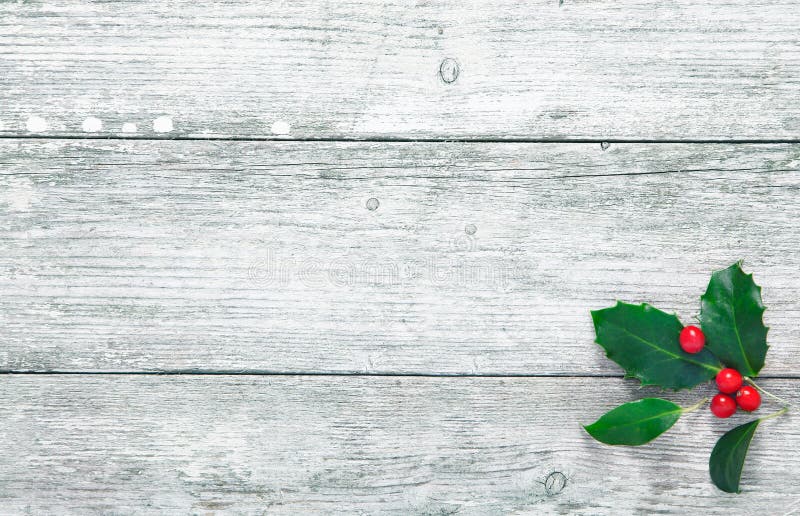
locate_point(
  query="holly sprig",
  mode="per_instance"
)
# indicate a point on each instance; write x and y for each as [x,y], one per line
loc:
[655,348]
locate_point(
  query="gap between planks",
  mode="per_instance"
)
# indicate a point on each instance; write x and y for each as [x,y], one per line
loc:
[202,372]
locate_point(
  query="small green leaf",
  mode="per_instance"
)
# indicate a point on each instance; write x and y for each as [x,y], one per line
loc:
[731,316]
[635,423]
[644,341]
[727,458]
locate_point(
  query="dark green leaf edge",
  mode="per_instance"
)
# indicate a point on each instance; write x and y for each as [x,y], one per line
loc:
[638,377]
[760,305]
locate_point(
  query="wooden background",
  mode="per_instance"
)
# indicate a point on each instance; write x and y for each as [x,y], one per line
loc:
[338,257]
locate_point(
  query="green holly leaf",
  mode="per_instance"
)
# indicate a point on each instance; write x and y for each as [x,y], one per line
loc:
[731,316]
[635,423]
[644,341]
[727,458]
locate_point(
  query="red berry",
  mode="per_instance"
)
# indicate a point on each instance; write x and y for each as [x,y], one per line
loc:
[748,398]
[729,380]
[692,339]
[723,405]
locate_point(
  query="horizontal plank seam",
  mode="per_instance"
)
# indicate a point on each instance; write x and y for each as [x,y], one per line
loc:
[204,372]
[745,141]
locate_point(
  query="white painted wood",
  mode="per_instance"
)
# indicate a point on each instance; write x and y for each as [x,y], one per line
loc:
[425,258]
[346,445]
[367,69]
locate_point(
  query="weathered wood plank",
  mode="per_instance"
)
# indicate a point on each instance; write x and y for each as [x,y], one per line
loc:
[288,445]
[477,259]
[355,69]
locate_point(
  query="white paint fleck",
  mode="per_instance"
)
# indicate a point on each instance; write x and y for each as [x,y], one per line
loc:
[129,127]
[36,124]
[280,127]
[92,125]
[2,127]
[18,194]
[163,124]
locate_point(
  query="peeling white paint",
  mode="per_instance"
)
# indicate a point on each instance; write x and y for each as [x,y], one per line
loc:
[36,124]
[92,125]
[163,124]
[129,127]
[280,127]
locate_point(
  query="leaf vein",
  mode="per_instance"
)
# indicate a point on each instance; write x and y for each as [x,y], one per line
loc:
[667,352]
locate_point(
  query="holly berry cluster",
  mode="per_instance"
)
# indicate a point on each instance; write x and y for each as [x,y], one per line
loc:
[729,380]
[729,346]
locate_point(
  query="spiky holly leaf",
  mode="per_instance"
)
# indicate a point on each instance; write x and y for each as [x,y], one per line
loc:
[731,316]
[727,458]
[644,341]
[635,423]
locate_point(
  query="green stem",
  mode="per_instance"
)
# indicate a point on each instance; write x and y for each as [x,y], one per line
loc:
[761,389]
[781,412]
[695,406]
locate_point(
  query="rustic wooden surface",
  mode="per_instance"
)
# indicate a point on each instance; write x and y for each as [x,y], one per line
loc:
[364,69]
[182,190]
[479,259]
[352,445]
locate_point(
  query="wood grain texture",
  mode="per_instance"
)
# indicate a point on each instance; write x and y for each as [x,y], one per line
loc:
[299,445]
[476,258]
[354,69]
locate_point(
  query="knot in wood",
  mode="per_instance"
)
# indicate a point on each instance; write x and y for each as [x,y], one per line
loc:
[555,483]
[449,70]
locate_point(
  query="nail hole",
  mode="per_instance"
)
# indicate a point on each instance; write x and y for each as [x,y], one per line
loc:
[372,204]
[470,229]
[605,145]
